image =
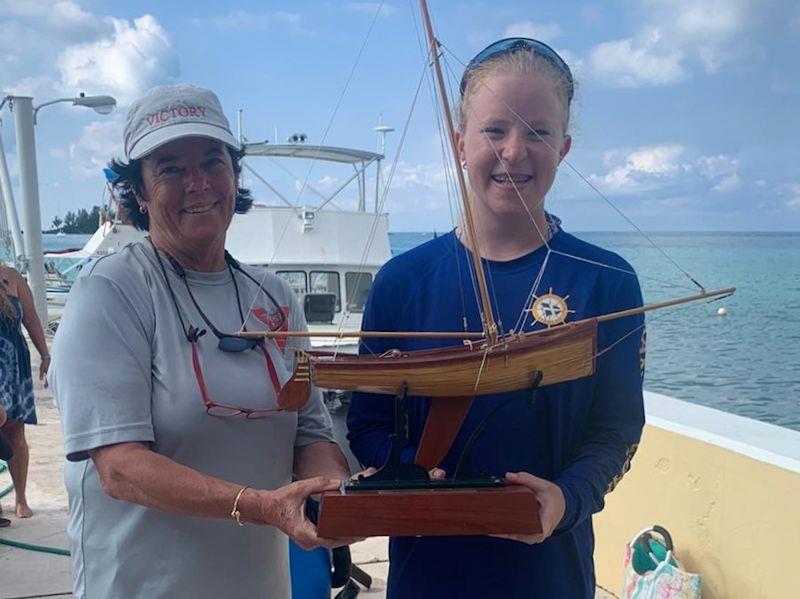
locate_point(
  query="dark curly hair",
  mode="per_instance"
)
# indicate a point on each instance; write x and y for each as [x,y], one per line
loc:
[129,182]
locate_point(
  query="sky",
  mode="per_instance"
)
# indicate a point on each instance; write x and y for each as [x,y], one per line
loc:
[685,116]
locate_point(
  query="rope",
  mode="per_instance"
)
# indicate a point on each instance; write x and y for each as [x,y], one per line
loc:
[322,142]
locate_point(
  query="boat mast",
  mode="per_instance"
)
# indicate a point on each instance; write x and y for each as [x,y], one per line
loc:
[489,324]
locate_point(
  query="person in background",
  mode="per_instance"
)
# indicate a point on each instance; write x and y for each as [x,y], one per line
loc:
[572,445]
[16,387]
[180,462]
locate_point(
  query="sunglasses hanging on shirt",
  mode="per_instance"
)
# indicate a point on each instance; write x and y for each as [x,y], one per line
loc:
[226,342]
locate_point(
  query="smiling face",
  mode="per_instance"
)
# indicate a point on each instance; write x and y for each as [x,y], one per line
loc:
[189,190]
[512,140]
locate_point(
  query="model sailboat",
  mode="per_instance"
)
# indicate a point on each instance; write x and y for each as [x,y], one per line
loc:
[401,499]
[489,361]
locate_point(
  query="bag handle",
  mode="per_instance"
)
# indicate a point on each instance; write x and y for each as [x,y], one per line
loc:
[664,535]
[643,536]
[643,544]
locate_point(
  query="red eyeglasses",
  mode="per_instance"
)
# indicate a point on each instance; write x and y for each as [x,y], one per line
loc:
[223,410]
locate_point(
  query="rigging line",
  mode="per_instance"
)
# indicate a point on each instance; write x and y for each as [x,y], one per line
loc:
[455,191]
[471,266]
[542,236]
[447,165]
[623,270]
[389,180]
[450,187]
[341,97]
[591,185]
[319,148]
[528,304]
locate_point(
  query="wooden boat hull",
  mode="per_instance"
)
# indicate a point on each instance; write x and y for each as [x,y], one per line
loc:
[562,354]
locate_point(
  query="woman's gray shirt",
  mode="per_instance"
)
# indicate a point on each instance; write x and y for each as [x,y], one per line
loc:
[122,372]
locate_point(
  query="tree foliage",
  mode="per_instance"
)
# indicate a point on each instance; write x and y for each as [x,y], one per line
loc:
[83,221]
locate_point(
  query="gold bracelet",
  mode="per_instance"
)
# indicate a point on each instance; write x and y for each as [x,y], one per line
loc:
[235,513]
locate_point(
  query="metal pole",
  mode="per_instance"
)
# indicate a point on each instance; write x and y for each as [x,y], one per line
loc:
[11,209]
[29,186]
[382,130]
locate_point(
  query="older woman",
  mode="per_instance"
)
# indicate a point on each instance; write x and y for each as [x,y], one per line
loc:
[573,444]
[17,310]
[179,460]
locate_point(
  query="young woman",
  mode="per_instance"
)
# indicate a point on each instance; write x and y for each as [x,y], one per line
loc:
[16,387]
[573,444]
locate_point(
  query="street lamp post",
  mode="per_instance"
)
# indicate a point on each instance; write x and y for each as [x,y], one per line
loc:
[24,121]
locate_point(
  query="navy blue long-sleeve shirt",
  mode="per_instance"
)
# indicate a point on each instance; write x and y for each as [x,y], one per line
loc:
[579,434]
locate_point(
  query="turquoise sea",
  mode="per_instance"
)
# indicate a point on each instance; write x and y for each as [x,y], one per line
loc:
[747,362]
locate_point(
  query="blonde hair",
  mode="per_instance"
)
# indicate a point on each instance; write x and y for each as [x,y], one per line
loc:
[518,61]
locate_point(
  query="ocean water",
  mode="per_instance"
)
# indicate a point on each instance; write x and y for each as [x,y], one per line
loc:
[747,362]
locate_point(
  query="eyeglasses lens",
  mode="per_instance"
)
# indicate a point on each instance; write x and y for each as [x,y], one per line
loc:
[222,411]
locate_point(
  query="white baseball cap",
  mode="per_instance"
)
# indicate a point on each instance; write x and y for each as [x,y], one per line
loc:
[169,112]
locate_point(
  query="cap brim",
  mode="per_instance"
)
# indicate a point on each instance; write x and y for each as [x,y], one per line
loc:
[162,136]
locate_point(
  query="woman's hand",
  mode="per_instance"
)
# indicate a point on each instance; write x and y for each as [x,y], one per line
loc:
[44,365]
[551,505]
[285,508]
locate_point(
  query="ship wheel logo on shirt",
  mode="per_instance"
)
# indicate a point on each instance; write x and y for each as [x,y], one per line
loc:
[550,309]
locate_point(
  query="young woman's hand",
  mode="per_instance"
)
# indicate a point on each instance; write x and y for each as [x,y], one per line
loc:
[551,505]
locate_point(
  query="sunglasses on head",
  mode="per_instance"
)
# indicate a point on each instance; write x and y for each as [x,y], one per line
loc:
[511,44]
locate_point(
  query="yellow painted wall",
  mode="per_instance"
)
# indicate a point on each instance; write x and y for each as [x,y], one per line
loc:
[734,520]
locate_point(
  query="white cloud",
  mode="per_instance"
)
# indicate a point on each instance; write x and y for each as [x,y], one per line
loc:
[792,192]
[633,63]
[74,23]
[674,37]
[417,188]
[99,142]
[656,160]
[641,169]
[431,176]
[133,59]
[545,32]
[721,170]
[58,48]
[728,183]
[666,167]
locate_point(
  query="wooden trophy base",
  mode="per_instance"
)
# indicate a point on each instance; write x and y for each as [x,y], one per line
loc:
[429,512]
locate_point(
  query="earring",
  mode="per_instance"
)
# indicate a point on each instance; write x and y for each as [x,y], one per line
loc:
[142,208]
[464,164]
